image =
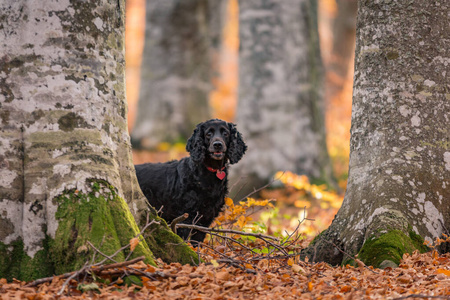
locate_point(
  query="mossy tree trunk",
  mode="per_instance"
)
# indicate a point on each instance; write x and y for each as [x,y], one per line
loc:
[66,175]
[399,175]
[182,38]
[280,107]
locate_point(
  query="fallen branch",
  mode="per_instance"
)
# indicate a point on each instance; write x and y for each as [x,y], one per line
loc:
[87,269]
[177,220]
[75,274]
[212,230]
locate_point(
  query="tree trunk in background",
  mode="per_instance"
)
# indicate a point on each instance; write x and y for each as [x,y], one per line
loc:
[65,156]
[280,107]
[398,188]
[343,46]
[181,41]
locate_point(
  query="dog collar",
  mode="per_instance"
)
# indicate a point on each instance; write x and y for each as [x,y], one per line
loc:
[219,172]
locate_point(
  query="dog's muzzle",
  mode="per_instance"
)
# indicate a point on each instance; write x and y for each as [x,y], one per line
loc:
[217,149]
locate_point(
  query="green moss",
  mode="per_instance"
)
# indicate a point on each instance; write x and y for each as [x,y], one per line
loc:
[100,217]
[417,241]
[168,246]
[15,263]
[390,246]
[127,227]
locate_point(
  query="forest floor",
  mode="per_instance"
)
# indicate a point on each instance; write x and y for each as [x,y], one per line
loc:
[419,276]
[261,263]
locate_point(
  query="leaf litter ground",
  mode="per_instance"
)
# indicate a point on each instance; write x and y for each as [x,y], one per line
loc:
[254,266]
[418,276]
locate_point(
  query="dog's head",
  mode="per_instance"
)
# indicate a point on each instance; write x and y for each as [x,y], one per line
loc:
[217,140]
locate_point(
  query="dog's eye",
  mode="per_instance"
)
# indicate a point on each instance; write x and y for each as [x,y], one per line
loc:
[225,134]
[209,134]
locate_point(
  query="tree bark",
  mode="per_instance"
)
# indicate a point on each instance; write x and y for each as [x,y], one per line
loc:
[181,41]
[280,107]
[399,174]
[66,175]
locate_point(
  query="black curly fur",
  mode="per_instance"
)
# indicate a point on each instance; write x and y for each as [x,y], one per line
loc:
[186,185]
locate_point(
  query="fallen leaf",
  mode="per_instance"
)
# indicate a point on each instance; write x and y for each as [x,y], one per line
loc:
[443,271]
[404,278]
[297,269]
[290,261]
[133,243]
[214,263]
[224,275]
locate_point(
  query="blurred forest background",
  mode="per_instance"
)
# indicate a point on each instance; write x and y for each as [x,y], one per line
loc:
[303,194]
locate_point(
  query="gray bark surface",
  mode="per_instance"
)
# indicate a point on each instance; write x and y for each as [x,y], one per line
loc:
[181,41]
[63,112]
[399,173]
[280,107]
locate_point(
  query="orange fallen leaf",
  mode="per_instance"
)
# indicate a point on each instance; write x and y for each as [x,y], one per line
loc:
[443,271]
[133,243]
[346,289]
[290,261]
[224,275]
[404,279]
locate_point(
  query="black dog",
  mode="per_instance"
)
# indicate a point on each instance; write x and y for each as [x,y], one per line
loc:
[196,185]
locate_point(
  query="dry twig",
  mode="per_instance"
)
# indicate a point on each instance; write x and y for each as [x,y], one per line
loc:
[212,230]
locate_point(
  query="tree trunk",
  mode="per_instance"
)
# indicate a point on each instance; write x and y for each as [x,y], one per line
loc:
[398,188]
[280,107]
[65,157]
[180,42]
[343,46]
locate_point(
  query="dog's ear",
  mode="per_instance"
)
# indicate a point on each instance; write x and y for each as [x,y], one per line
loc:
[237,146]
[196,145]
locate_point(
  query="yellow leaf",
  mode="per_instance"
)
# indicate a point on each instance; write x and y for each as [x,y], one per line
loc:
[229,201]
[250,201]
[133,243]
[310,286]
[241,221]
[214,263]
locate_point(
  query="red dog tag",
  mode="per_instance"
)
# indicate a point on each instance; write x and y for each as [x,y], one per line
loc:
[221,174]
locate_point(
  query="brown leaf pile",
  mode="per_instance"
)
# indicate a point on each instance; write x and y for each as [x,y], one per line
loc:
[418,276]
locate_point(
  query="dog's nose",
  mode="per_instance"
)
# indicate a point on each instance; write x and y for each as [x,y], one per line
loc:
[218,145]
